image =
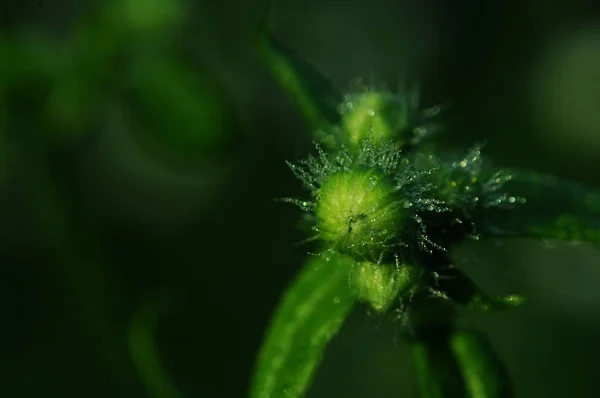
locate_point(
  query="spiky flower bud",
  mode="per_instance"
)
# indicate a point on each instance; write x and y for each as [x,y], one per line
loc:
[376,112]
[371,112]
[358,212]
[380,284]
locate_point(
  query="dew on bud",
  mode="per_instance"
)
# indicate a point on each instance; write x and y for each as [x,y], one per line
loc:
[380,284]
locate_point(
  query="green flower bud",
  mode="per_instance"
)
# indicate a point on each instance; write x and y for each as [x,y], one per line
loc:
[371,112]
[358,213]
[380,284]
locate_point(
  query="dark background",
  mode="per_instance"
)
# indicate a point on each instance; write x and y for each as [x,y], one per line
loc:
[141,148]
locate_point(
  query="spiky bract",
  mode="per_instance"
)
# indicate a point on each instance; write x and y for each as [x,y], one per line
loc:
[377,203]
[383,115]
[357,212]
[380,284]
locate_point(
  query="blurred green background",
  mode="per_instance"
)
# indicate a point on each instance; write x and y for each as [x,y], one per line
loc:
[141,146]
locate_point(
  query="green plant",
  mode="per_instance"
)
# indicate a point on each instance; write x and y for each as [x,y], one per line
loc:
[387,205]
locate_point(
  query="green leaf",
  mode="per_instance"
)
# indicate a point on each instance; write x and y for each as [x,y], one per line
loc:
[304,84]
[143,349]
[459,364]
[461,289]
[183,109]
[554,209]
[311,312]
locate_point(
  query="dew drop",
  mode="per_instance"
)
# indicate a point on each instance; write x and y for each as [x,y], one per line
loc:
[336,300]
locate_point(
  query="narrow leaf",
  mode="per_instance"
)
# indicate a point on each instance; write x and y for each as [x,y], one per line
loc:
[310,314]
[143,349]
[554,209]
[306,86]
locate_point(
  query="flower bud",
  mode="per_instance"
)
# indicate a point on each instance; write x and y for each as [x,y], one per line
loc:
[380,284]
[358,213]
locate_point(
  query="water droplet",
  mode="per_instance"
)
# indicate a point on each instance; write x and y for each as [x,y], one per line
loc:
[371,112]
[512,199]
[336,300]
[407,204]
[463,163]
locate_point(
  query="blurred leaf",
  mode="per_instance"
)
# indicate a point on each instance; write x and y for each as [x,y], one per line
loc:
[5,72]
[310,314]
[87,76]
[313,93]
[183,108]
[460,288]
[143,350]
[149,18]
[460,364]
[555,209]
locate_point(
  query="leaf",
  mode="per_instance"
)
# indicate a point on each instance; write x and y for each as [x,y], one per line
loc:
[459,364]
[182,108]
[554,209]
[310,314]
[143,349]
[461,289]
[305,85]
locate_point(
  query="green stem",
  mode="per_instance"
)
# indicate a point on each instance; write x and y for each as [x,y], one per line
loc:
[482,370]
[459,364]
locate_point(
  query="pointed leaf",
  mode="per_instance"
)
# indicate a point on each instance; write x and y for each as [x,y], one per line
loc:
[310,314]
[306,86]
[554,209]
